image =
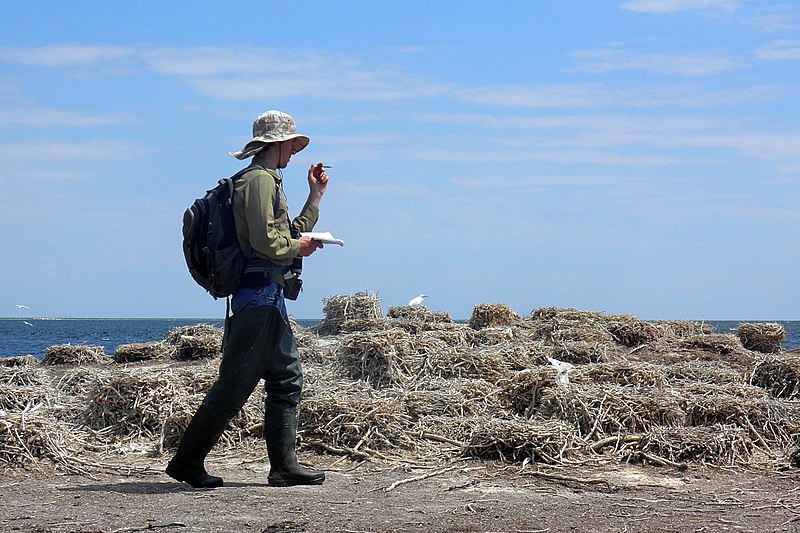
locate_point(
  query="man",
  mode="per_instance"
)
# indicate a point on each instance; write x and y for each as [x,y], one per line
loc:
[258,341]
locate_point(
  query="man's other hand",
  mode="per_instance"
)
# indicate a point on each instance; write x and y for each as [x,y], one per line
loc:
[308,246]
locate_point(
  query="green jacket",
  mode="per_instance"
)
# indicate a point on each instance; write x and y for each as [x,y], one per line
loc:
[262,228]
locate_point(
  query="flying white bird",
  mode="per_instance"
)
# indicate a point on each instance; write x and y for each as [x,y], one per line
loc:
[562,370]
[22,306]
[418,300]
[28,323]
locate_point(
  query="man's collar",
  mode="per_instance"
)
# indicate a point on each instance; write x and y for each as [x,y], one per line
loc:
[271,171]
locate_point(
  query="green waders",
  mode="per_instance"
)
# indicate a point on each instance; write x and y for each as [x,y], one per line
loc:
[258,344]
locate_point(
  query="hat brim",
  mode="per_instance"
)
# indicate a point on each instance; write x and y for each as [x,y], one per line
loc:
[255,144]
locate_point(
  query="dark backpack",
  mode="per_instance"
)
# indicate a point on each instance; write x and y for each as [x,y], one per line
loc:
[210,246]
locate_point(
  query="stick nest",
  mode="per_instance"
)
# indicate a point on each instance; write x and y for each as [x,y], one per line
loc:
[380,358]
[492,316]
[193,342]
[418,313]
[75,354]
[20,360]
[717,444]
[778,375]
[765,338]
[340,308]
[143,351]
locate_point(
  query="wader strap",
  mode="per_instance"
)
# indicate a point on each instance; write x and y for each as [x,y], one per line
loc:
[227,319]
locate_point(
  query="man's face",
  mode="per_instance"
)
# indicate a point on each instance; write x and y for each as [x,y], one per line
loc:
[286,153]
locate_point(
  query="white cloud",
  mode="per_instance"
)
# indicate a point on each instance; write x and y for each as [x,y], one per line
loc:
[64,55]
[409,49]
[539,181]
[776,18]
[540,95]
[621,123]
[70,151]
[533,153]
[792,169]
[24,170]
[244,89]
[347,86]
[591,95]
[764,145]
[673,6]
[359,189]
[779,49]
[603,60]
[637,140]
[248,73]
[52,118]
[216,61]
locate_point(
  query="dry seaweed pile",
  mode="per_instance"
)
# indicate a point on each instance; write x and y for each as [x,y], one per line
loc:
[558,385]
[764,337]
[492,316]
[74,354]
[183,343]
[342,309]
[193,342]
[141,351]
[418,313]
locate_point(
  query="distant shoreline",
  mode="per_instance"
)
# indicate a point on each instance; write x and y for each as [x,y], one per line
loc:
[34,335]
[110,318]
[214,318]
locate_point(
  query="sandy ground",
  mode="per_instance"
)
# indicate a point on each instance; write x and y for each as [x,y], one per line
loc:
[470,496]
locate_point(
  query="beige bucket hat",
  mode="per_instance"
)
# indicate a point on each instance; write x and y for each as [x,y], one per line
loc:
[269,127]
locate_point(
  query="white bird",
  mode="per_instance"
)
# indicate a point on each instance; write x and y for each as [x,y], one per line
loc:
[22,306]
[28,323]
[418,300]
[562,370]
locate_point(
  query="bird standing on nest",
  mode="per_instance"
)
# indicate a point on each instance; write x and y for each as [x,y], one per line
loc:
[562,370]
[418,300]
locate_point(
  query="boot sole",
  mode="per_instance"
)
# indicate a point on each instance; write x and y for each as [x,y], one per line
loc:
[293,483]
[175,474]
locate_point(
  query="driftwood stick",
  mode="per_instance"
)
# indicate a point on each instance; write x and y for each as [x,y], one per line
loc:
[439,438]
[419,478]
[340,451]
[663,461]
[614,440]
[147,527]
[571,479]
[757,435]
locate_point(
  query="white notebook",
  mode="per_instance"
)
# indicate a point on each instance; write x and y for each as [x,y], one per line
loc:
[324,237]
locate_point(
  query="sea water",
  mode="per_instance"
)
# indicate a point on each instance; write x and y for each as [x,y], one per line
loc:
[23,336]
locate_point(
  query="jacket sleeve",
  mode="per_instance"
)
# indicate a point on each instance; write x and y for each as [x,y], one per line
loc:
[307,218]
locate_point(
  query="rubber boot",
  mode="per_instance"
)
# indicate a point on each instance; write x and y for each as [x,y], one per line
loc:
[202,433]
[280,432]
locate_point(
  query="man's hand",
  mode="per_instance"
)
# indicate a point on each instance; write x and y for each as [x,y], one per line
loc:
[308,246]
[317,183]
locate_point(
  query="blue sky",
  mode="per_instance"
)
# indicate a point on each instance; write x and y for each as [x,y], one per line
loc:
[635,156]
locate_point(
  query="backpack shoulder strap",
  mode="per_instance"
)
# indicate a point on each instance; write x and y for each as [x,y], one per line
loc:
[244,171]
[278,190]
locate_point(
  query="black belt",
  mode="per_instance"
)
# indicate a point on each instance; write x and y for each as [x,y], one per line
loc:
[255,279]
